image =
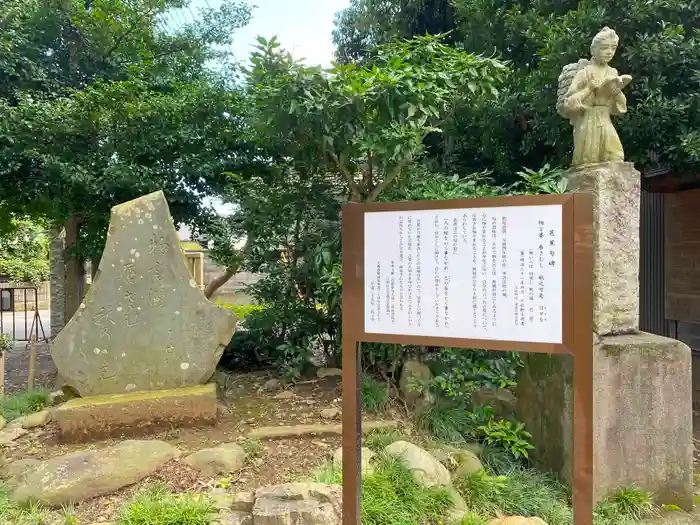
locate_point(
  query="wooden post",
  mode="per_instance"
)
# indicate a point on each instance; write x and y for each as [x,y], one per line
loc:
[32,362]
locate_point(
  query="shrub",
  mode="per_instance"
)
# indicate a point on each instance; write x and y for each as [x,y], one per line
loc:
[511,437]
[16,405]
[241,310]
[373,394]
[5,343]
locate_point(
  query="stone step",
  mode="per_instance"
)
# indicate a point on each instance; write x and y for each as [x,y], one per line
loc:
[288,431]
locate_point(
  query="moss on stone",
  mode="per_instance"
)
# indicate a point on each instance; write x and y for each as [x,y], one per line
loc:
[106,399]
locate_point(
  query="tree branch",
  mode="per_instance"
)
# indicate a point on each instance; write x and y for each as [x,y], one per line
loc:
[395,172]
[354,188]
[231,270]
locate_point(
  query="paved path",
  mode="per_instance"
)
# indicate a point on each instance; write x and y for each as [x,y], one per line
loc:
[18,324]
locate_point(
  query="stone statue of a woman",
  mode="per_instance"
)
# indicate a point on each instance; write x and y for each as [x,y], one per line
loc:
[590,91]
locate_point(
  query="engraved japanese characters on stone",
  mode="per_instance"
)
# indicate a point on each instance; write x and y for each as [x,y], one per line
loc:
[151,329]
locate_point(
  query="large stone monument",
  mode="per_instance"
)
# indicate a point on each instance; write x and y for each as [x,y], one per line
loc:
[642,382]
[145,333]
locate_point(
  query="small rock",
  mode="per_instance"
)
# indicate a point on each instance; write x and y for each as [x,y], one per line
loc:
[2,422]
[517,520]
[220,499]
[223,459]
[243,501]
[367,456]
[10,433]
[329,372]
[258,462]
[415,373]
[321,444]
[286,394]
[312,503]
[330,413]
[426,469]
[37,419]
[468,463]
[502,401]
[232,517]
[57,397]
[272,384]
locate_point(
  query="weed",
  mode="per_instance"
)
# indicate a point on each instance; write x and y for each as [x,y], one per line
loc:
[328,473]
[378,440]
[12,513]
[157,504]
[448,422]
[512,437]
[628,505]
[17,405]
[253,448]
[373,394]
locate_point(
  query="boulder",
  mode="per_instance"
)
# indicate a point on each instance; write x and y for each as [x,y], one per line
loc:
[502,401]
[80,476]
[468,463]
[11,433]
[223,459]
[426,469]
[459,507]
[13,472]
[2,422]
[37,419]
[308,503]
[414,373]
[367,456]
[243,501]
[144,324]
[517,520]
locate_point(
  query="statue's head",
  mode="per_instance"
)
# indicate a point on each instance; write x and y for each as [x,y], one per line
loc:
[604,45]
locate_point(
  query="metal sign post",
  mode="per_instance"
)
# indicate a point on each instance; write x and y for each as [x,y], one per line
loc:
[498,273]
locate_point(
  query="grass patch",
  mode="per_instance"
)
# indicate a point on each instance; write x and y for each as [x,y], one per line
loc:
[391,496]
[378,440]
[157,505]
[14,406]
[11,513]
[373,395]
[531,493]
[627,506]
[446,422]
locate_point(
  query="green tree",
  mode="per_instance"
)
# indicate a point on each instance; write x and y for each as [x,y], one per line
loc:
[367,23]
[24,251]
[98,104]
[659,46]
[365,124]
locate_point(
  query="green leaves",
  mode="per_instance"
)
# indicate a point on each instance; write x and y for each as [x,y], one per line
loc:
[365,123]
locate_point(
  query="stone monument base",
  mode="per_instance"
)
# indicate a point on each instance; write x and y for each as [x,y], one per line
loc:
[134,414]
[642,424]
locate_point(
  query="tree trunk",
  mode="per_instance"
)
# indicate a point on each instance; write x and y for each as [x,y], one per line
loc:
[74,268]
[221,280]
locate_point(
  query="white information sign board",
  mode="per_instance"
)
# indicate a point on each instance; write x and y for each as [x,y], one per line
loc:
[472,273]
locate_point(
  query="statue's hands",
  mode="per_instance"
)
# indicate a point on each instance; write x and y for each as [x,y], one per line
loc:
[626,79]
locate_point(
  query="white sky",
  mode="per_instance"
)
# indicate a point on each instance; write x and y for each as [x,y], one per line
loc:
[302,26]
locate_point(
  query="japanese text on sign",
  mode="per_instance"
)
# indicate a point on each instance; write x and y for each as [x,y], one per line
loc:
[486,273]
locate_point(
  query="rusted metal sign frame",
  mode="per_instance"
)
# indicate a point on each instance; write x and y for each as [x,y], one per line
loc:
[577,335]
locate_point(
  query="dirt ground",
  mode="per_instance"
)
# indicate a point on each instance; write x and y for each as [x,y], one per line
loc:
[245,407]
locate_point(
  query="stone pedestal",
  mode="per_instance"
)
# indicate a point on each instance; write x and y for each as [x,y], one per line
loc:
[642,415]
[136,414]
[616,191]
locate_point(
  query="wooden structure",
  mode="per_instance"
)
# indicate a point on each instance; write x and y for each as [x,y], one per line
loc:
[574,304]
